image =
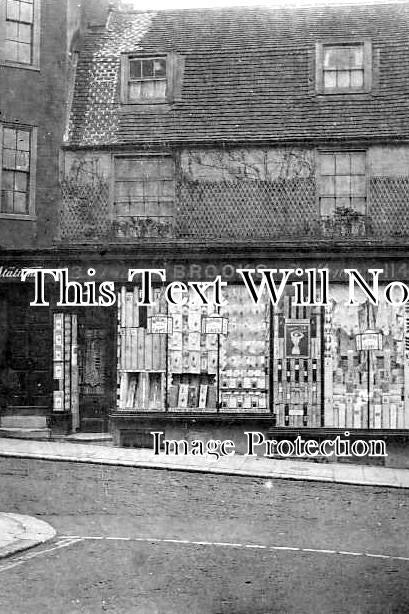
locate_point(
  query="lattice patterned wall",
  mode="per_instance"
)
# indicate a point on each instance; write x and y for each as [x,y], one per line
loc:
[85,210]
[388,206]
[246,209]
[242,209]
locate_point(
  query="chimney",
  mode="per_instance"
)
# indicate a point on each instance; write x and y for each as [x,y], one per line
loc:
[95,12]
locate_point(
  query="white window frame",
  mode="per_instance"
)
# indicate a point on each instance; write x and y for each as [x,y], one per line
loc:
[341,151]
[175,66]
[367,63]
[35,59]
[31,215]
[141,156]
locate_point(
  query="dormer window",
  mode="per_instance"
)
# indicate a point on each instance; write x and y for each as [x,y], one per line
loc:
[343,67]
[147,79]
[153,79]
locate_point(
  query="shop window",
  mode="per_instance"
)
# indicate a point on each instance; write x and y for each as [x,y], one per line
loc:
[153,79]
[17,171]
[144,195]
[343,68]
[20,32]
[342,182]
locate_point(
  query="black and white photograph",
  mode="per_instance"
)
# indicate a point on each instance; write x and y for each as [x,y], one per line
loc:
[204,307]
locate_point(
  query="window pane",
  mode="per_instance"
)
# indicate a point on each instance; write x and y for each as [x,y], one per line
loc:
[11,50]
[168,189]
[330,79]
[343,164]
[13,10]
[148,89]
[327,185]
[166,168]
[24,53]
[356,55]
[24,33]
[359,204]
[134,92]
[154,209]
[135,69]
[7,201]
[9,138]
[159,67]
[12,30]
[137,209]
[20,182]
[159,89]
[23,140]
[357,78]
[9,158]
[167,208]
[26,12]
[327,164]
[358,163]
[8,180]
[336,57]
[124,190]
[342,185]
[343,203]
[152,189]
[343,78]
[122,209]
[327,206]
[358,185]
[147,68]
[20,202]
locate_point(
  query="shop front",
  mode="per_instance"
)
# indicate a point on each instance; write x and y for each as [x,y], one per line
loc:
[203,371]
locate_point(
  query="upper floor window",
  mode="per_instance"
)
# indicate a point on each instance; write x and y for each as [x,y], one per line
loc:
[155,79]
[342,181]
[17,171]
[19,32]
[144,195]
[343,68]
[147,79]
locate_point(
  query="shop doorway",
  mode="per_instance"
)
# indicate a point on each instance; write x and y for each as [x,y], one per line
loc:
[96,368]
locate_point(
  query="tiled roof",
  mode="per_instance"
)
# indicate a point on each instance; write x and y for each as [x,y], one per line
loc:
[249,76]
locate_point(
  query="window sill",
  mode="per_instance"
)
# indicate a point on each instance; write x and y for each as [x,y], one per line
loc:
[344,94]
[8,64]
[17,216]
[161,106]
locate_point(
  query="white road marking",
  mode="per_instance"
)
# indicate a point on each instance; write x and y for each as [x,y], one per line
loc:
[68,540]
[351,553]
[25,557]
[238,545]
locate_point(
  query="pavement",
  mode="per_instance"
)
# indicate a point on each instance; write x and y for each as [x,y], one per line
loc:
[258,466]
[18,532]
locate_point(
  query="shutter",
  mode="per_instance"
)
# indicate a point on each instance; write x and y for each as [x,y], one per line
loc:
[124,78]
[175,72]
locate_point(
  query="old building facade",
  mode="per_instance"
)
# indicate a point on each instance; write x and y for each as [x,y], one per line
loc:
[38,40]
[201,142]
